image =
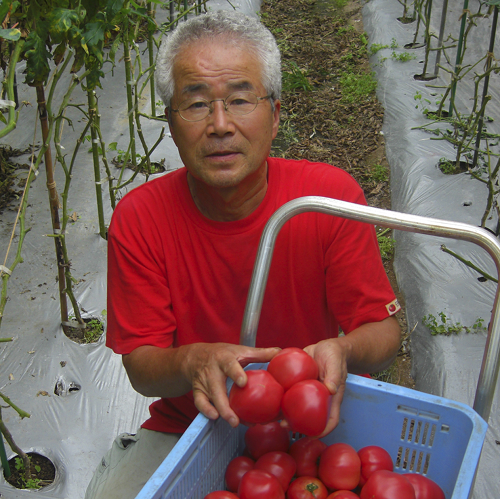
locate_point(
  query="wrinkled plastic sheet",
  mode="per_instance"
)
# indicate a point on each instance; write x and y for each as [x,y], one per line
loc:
[431,280]
[95,401]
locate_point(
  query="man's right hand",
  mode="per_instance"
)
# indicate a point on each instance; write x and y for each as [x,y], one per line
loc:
[200,367]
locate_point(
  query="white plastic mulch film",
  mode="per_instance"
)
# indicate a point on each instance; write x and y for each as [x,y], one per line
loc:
[95,401]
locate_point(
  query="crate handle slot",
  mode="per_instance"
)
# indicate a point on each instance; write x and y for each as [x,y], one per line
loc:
[395,220]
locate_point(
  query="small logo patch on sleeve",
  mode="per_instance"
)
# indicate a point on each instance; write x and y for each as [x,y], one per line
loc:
[393,307]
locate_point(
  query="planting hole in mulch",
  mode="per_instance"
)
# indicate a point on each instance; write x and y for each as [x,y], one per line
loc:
[43,472]
[90,332]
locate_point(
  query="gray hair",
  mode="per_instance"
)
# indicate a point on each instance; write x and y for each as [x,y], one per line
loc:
[236,27]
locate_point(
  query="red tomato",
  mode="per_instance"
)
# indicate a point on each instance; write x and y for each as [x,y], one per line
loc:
[425,488]
[306,407]
[258,484]
[221,494]
[306,452]
[235,470]
[385,484]
[343,494]
[373,458]
[339,467]
[260,439]
[280,464]
[292,365]
[306,487]
[258,402]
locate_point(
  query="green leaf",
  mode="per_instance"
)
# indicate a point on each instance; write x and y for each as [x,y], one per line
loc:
[94,34]
[6,7]
[12,34]
[37,57]
[60,22]
[59,52]
[79,60]
[496,3]
[112,8]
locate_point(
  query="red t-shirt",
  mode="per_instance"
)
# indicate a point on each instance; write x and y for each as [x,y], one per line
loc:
[176,277]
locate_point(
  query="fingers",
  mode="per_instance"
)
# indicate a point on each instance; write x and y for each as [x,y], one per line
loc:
[334,417]
[209,378]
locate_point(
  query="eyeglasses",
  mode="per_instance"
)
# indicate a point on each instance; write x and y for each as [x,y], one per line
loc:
[238,104]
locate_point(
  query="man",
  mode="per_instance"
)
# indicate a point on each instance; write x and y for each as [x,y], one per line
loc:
[182,250]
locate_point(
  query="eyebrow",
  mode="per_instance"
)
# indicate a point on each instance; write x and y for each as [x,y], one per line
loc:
[197,87]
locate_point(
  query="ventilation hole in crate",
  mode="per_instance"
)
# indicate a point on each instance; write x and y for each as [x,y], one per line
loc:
[445,428]
[424,435]
[410,432]
[433,434]
[408,409]
[403,429]
[419,462]
[418,431]
[426,464]
[412,460]
[405,459]
[397,464]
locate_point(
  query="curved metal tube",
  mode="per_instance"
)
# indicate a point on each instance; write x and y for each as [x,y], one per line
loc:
[394,220]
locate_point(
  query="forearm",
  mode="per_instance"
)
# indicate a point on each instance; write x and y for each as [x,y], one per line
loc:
[200,367]
[372,347]
[157,372]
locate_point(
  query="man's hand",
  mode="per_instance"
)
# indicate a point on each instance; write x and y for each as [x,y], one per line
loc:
[370,348]
[201,367]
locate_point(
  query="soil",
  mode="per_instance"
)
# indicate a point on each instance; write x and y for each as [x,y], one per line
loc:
[323,43]
[43,471]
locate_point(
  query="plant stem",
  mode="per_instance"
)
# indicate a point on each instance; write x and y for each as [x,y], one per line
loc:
[53,199]
[468,263]
[94,125]
[10,440]
[129,86]
[8,85]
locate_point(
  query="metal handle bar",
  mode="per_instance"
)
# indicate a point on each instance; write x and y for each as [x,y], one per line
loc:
[394,220]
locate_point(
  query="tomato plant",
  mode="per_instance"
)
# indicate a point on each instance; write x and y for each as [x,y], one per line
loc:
[385,484]
[306,407]
[260,439]
[339,467]
[258,402]
[306,487]
[373,458]
[221,494]
[292,365]
[306,452]
[425,488]
[235,471]
[258,484]
[280,464]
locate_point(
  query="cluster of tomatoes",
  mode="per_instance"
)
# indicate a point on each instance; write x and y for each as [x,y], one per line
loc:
[289,389]
[274,468]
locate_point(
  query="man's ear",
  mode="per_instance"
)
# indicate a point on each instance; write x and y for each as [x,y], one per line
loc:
[168,115]
[276,117]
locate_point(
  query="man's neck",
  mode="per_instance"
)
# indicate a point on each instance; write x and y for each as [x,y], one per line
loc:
[230,203]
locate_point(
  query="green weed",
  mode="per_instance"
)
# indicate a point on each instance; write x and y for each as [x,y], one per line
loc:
[30,483]
[444,326]
[295,79]
[379,173]
[357,86]
[386,244]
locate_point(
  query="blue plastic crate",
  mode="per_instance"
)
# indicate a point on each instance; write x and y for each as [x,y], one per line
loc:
[424,434]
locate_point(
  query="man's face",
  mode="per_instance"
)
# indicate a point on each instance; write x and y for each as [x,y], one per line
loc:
[222,150]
